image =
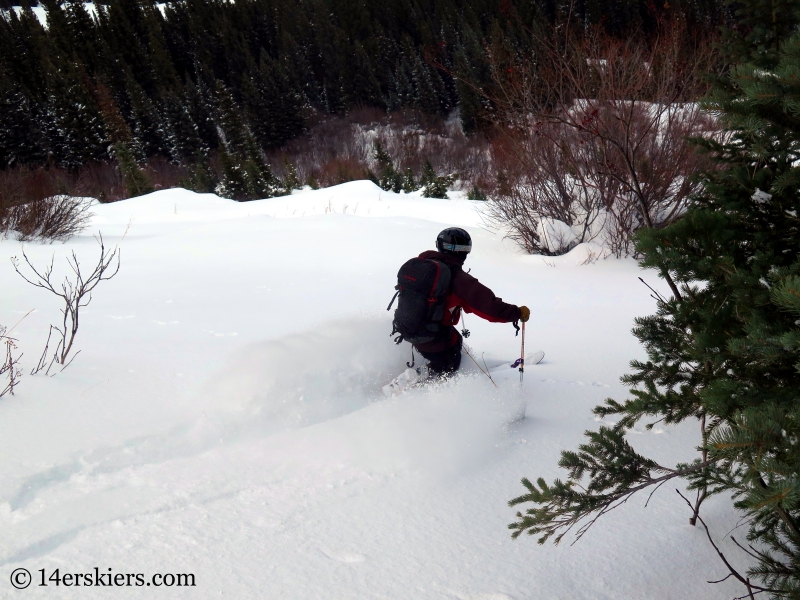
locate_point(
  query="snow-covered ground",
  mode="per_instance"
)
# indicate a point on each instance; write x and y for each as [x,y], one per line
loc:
[224,417]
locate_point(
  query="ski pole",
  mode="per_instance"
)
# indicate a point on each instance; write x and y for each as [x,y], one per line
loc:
[522,355]
[486,372]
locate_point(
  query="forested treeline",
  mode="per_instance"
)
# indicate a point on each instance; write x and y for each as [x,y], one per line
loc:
[133,80]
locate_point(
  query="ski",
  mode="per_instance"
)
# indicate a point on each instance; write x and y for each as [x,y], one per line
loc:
[416,377]
[407,379]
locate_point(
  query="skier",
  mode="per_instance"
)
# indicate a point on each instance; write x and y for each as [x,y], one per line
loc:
[466,293]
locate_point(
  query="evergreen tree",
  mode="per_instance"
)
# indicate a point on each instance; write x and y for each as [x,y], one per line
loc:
[83,39]
[363,86]
[403,80]
[761,28]
[159,61]
[297,67]
[187,143]
[724,349]
[230,122]
[389,178]
[409,181]
[334,51]
[472,74]
[25,52]
[274,106]
[259,180]
[116,128]
[476,193]
[290,179]
[72,122]
[136,181]
[434,186]
[20,133]
[201,178]
[58,30]
[246,176]
[124,28]
[233,183]
[469,99]
[426,97]
[312,182]
[199,104]
[147,123]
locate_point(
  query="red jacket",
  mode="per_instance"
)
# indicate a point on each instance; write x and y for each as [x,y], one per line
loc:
[472,296]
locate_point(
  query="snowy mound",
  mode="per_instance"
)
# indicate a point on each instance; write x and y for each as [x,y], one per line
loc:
[225,417]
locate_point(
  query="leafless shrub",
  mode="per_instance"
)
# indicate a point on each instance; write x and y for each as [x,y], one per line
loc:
[413,141]
[596,136]
[34,205]
[340,170]
[54,218]
[338,149]
[329,153]
[9,368]
[75,293]
[101,180]
[163,174]
[540,184]
[20,184]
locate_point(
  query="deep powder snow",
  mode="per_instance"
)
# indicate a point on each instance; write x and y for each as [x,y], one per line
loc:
[225,417]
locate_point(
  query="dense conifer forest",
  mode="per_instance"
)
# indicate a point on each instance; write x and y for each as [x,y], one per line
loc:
[129,81]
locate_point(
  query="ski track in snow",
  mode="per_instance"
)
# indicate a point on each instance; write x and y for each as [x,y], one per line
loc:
[225,416]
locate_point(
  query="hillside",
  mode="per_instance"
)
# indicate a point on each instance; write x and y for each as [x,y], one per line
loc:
[224,417]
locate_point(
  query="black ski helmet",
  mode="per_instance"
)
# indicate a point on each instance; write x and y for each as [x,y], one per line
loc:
[455,242]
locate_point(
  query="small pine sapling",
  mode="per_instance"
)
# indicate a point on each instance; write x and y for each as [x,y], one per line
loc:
[389,178]
[259,180]
[312,182]
[409,181]
[201,177]
[476,193]
[434,186]
[290,179]
[381,155]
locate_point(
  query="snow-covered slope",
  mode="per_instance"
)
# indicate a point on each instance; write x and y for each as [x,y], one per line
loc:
[224,417]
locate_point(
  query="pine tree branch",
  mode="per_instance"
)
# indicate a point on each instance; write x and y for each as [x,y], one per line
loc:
[564,508]
[749,552]
[668,278]
[701,494]
[657,295]
[787,520]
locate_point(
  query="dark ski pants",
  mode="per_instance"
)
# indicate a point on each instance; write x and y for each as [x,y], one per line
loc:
[444,362]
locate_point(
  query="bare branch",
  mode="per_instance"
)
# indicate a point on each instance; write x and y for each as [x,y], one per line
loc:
[744,580]
[595,136]
[76,293]
[10,364]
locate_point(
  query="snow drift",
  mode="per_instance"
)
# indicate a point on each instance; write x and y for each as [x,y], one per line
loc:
[225,417]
